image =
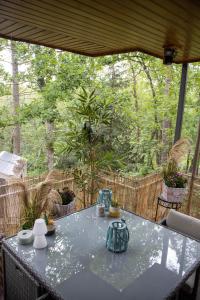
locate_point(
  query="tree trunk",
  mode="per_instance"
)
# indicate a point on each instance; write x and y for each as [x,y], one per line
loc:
[16,137]
[198,162]
[113,75]
[136,104]
[50,144]
[194,171]
[155,133]
[166,124]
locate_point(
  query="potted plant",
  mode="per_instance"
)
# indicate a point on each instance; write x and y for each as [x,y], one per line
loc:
[50,224]
[114,209]
[68,202]
[35,202]
[174,182]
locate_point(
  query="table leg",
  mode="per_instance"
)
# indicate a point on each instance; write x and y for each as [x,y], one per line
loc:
[156,210]
[196,289]
[177,296]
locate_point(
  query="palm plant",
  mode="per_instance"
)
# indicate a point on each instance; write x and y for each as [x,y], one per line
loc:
[85,139]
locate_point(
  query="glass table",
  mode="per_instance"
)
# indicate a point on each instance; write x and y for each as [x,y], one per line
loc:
[77,265]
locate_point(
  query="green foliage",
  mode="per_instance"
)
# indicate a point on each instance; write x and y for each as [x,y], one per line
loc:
[5,119]
[114,203]
[176,180]
[85,135]
[170,168]
[30,215]
[120,125]
[172,177]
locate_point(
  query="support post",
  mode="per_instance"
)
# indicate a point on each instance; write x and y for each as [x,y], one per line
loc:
[181,103]
[194,169]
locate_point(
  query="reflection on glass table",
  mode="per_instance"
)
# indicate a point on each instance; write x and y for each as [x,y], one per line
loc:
[77,265]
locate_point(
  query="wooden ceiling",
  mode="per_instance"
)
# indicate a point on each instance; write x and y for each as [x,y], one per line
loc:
[100,27]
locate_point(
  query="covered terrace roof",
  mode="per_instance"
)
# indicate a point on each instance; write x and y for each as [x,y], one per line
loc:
[99,27]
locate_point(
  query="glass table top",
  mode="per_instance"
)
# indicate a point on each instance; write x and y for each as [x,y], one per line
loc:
[77,265]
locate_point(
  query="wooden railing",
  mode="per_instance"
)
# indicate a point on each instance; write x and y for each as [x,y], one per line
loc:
[11,199]
[135,194]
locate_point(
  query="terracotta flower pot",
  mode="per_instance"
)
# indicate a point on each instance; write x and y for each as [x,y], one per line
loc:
[173,194]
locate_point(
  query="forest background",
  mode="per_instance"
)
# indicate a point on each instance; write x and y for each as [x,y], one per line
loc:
[63,110]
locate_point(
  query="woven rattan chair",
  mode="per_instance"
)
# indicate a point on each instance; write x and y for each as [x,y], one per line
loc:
[188,226]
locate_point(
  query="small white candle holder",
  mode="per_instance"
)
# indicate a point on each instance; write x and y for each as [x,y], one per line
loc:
[100,210]
[39,231]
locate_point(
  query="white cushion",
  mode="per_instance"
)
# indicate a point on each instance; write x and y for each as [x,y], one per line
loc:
[186,225]
[183,223]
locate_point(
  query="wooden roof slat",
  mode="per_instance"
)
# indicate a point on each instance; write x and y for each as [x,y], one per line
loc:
[33,32]
[15,29]
[184,16]
[116,32]
[34,15]
[7,23]
[42,4]
[54,27]
[128,47]
[12,28]
[29,4]
[108,4]
[38,32]
[170,19]
[100,27]
[105,18]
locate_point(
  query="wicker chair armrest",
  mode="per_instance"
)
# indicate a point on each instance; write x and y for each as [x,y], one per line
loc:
[163,222]
[43,297]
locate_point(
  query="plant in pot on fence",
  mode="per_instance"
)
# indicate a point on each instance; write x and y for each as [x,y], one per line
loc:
[68,202]
[175,183]
[51,227]
[114,209]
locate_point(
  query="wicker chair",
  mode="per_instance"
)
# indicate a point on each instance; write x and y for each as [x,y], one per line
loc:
[188,226]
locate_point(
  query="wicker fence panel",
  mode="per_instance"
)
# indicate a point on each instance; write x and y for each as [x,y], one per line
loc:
[195,208]
[11,204]
[138,195]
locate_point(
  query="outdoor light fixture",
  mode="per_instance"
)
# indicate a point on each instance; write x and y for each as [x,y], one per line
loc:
[169,54]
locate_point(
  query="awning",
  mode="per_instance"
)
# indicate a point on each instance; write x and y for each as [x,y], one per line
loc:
[99,27]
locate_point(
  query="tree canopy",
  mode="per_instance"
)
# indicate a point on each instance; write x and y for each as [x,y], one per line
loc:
[115,112]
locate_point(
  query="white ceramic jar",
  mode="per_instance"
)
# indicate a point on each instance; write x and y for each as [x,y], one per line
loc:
[100,210]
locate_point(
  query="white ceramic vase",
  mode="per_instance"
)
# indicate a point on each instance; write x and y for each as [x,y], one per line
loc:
[39,231]
[40,241]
